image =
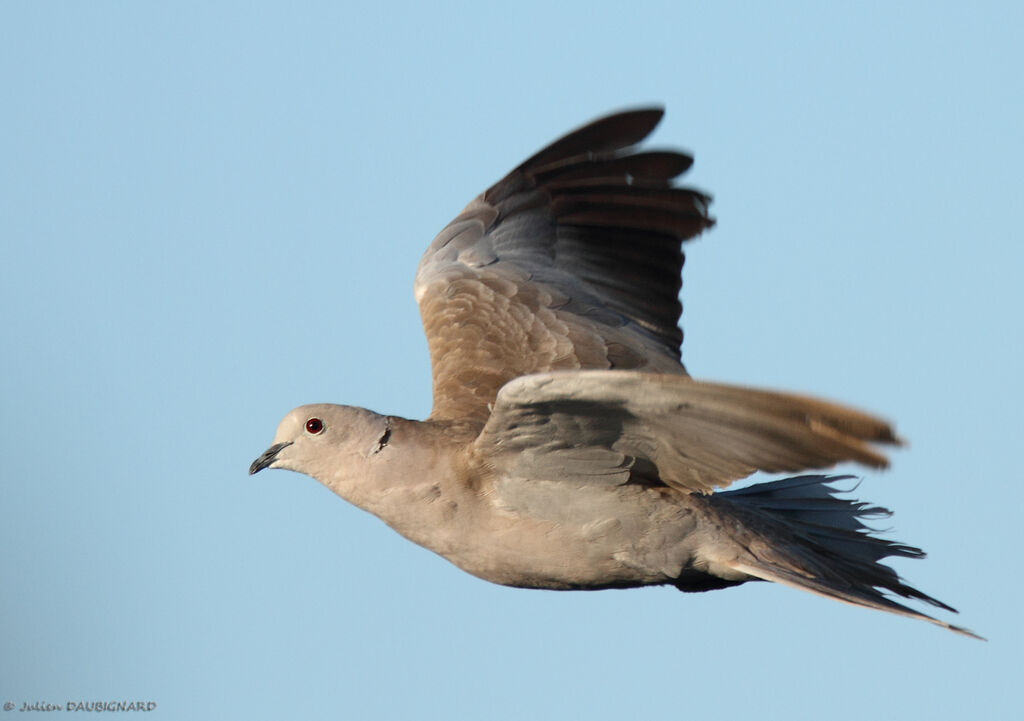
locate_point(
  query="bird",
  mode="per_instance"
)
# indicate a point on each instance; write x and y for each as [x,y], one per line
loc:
[567,447]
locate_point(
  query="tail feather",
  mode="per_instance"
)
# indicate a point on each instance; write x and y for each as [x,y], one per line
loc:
[796,532]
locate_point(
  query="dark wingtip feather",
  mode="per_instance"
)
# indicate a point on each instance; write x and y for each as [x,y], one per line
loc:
[612,132]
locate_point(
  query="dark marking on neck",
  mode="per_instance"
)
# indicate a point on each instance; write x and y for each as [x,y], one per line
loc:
[383,441]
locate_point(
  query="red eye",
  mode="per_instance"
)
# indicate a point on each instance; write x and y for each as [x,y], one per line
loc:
[314,426]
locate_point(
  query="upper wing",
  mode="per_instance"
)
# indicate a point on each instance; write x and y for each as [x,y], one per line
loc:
[571,261]
[606,426]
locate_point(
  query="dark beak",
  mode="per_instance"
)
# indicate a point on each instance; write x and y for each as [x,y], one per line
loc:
[268,457]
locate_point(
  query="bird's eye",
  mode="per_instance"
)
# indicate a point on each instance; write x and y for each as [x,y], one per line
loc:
[314,426]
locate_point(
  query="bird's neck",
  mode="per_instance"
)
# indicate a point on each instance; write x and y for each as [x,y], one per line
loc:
[415,482]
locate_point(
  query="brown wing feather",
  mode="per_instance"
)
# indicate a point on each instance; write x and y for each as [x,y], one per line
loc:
[572,261]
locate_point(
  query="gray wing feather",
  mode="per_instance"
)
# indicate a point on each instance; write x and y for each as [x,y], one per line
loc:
[690,435]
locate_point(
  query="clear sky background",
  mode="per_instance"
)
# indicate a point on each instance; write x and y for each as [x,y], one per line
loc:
[212,212]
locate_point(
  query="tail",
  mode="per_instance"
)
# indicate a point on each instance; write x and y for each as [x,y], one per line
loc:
[798,533]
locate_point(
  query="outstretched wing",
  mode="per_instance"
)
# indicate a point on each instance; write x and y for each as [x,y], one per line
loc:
[614,426]
[572,261]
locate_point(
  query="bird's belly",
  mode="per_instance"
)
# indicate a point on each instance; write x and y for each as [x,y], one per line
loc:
[555,535]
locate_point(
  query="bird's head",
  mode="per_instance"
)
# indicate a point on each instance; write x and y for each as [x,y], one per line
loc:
[325,441]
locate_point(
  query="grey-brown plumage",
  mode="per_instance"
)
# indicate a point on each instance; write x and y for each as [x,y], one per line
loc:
[567,447]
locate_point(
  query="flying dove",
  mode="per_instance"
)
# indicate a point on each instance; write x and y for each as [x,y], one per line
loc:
[567,447]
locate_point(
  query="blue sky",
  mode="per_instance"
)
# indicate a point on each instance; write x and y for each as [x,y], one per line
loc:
[212,212]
